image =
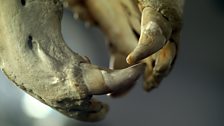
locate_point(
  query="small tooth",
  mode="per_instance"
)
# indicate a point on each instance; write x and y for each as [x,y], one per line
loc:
[165,58]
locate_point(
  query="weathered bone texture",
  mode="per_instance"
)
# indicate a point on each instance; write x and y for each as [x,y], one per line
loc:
[35,57]
[156,22]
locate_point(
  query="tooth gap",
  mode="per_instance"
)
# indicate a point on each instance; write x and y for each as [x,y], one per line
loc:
[111,45]
[23,2]
[153,63]
[137,35]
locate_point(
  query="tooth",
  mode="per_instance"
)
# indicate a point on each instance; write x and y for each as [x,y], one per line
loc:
[165,58]
[155,30]
[118,79]
[104,81]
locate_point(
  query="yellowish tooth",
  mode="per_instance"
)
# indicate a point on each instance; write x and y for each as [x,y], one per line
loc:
[155,30]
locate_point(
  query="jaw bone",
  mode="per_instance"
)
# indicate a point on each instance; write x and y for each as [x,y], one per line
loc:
[34,56]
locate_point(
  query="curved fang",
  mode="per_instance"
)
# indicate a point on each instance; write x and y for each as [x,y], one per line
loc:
[104,81]
[155,31]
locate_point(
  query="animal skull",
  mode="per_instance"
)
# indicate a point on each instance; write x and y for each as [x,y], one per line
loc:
[136,29]
[35,57]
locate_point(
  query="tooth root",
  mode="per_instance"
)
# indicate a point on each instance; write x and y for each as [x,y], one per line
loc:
[104,81]
[155,30]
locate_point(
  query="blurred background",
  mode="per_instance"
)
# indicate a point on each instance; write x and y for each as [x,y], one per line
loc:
[192,95]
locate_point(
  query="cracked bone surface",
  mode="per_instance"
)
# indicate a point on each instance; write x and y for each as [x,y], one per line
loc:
[35,57]
[157,22]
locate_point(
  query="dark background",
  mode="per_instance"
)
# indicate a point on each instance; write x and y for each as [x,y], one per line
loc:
[192,95]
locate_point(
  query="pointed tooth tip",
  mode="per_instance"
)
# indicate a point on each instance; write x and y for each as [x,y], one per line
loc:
[133,57]
[103,81]
[146,47]
[130,59]
[139,53]
[120,79]
[155,31]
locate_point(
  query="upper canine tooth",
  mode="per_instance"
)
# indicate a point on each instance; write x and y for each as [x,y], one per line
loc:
[155,30]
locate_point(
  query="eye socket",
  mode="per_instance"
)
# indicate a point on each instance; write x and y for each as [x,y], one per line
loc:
[23,2]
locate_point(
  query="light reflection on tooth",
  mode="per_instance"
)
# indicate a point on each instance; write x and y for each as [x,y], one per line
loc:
[151,27]
[109,94]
